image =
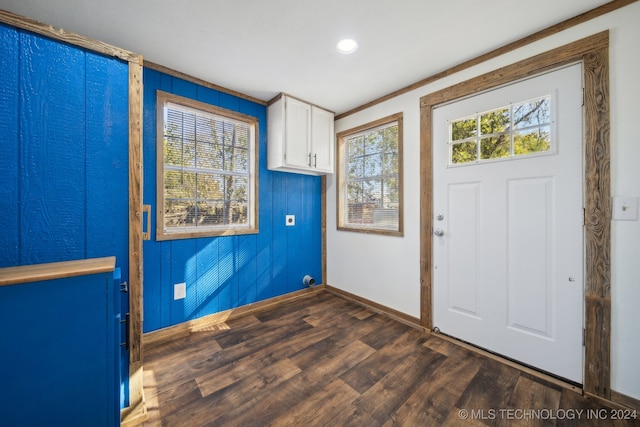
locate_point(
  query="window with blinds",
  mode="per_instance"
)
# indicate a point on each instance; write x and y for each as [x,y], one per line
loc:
[370,177]
[206,170]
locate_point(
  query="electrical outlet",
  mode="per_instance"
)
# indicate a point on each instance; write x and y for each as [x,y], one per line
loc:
[290,220]
[179,291]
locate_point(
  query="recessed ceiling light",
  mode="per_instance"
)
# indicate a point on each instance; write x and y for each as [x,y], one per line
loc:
[347,46]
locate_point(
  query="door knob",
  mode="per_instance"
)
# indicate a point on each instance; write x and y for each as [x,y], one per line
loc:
[438,232]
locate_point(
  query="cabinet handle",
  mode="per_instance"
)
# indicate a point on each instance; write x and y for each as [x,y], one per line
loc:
[315,160]
[309,163]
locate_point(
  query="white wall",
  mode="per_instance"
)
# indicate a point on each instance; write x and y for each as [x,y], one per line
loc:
[386,269]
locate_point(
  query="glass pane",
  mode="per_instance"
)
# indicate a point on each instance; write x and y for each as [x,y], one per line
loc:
[209,214]
[228,153]
[241,160]
[204,129]
[188,152]
[390,141]
[354,192]
[372,165]
[173,150]
[355,146]
[390,193]
[206,155]
[179,213]
[463,129]
[494,121]
[355,213]
[179,185]
[173,122]
[242,136]
[355,168]
[372,142]
[385,218]
[209,187]
[533,113]
[390,164]
[495,147]
[532,141]
[372,191]
[238,188]
[464,152]
[238,213]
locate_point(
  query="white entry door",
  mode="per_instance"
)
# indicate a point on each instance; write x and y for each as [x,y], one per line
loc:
[508,221]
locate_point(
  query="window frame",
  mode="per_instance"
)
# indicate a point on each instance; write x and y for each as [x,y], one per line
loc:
[341,192]
[162,233]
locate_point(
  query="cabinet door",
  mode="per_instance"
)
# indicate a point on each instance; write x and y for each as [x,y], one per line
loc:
[297,133]
[322,140]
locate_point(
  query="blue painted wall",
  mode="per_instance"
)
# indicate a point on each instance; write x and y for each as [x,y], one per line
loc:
[227,272]
[63,155]
[57,362]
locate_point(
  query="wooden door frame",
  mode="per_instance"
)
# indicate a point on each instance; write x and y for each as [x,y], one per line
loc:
[593,52]
[136,411]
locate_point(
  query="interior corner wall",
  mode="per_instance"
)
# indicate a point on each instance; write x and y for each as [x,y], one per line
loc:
[226,272]
[385,269]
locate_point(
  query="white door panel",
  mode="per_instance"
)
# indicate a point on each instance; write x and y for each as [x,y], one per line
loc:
[463,248]
[508,267]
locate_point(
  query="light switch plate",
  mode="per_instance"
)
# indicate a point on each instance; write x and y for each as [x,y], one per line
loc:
[179,291]
[290,220]
[625,208]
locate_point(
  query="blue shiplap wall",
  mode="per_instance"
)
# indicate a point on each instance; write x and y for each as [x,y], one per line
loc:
[64,139]
[227,272]
[63,155]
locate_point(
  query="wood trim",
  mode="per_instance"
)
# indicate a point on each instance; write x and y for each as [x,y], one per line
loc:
[212,321]
[34,26]
[375,307]
[537,64]
[136,410]
[340,158]
[171,72]
[593,52]
[597,193]
[426,217]
[323,186]
[509,47]
[55,270]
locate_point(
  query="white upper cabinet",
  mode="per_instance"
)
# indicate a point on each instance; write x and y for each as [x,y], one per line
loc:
[300,137]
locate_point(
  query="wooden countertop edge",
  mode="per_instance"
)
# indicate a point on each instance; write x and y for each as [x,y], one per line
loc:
[55,270]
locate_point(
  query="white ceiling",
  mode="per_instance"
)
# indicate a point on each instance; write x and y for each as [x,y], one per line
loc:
[263,47]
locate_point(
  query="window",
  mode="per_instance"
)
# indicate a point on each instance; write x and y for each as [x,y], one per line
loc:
[370,177]
[504,133]
[206,170]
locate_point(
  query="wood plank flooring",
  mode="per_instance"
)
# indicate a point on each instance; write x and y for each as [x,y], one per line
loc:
[322,360]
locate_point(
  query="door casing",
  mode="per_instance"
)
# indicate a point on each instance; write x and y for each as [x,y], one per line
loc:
[593,51]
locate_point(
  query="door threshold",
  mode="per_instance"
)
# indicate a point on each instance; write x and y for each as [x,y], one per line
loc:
[559,381]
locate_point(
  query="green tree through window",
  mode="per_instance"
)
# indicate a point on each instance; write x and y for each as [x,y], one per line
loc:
[515,130]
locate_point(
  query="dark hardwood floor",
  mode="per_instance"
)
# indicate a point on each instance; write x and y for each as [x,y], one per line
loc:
[325,361]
